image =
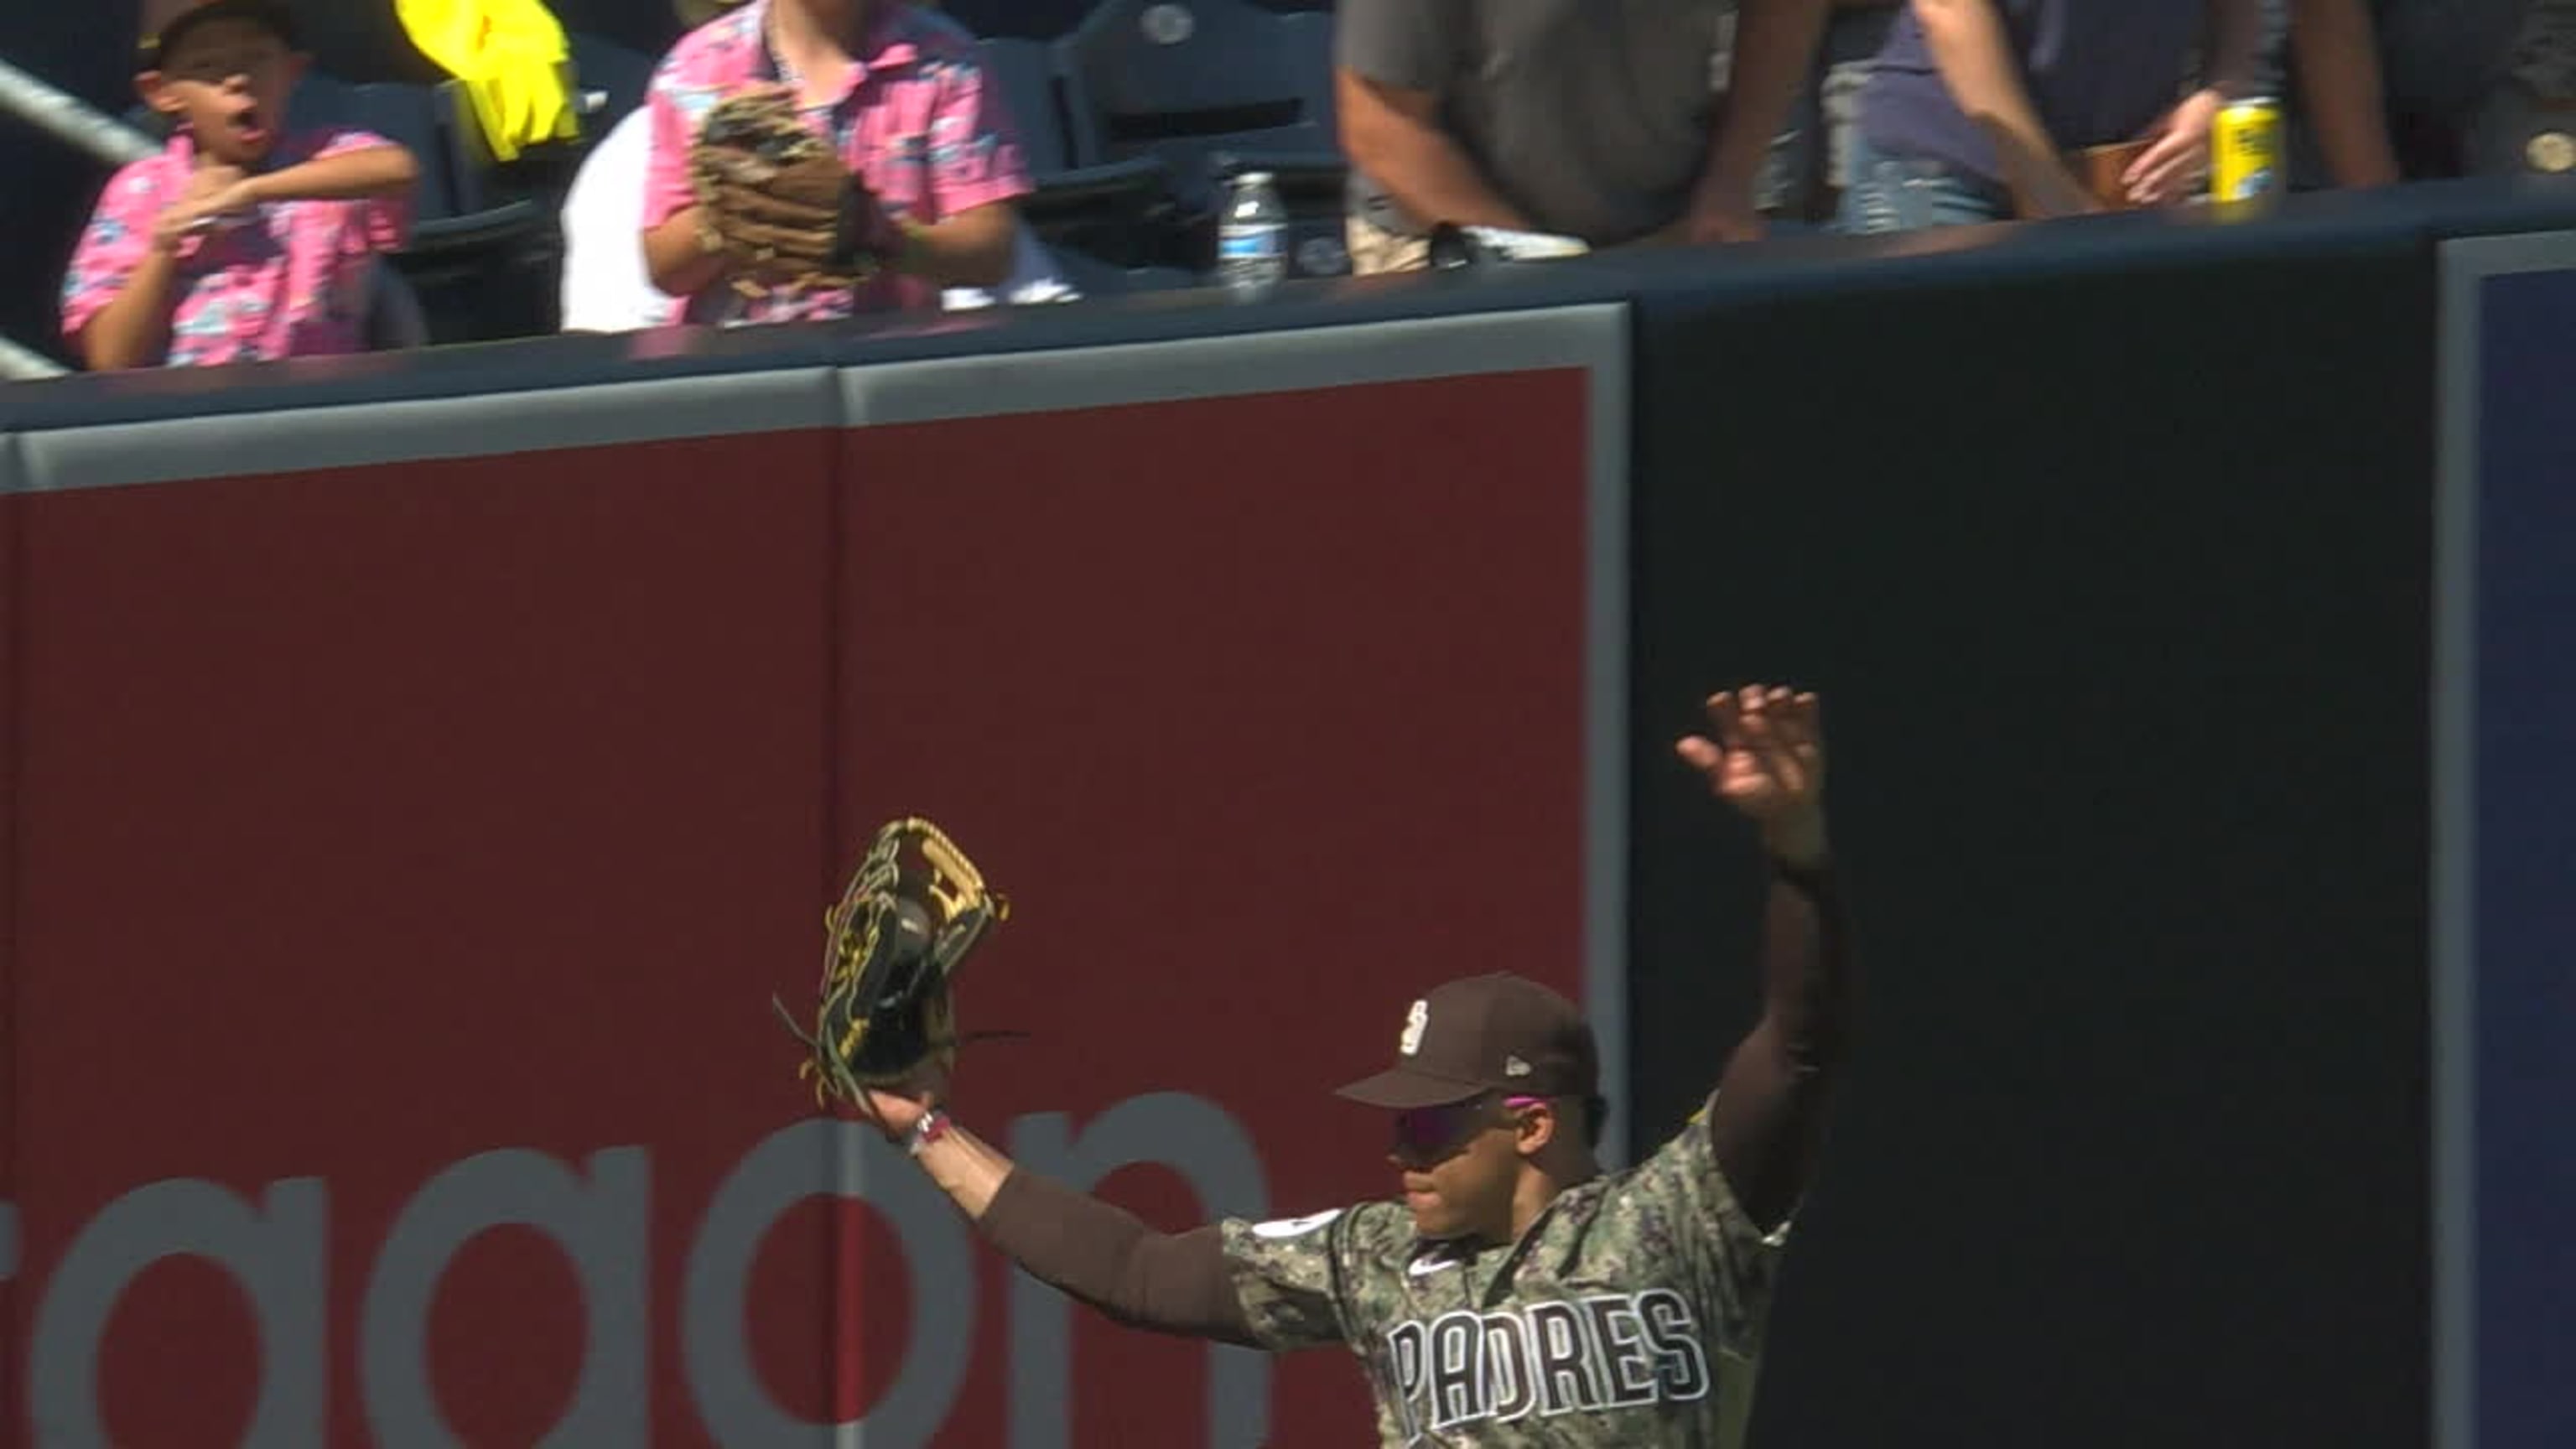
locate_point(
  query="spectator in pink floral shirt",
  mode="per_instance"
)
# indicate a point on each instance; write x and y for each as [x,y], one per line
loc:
[899,90]
[237,243]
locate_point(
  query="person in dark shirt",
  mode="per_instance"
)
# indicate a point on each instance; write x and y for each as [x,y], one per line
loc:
[2528,120]
[1984,110]
[2388,90]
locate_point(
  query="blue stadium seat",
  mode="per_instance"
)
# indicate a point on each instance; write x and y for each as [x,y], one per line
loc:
[1017,19]
[1211,86]
[481,261]
[1113,210]
[1307,45]
[1044,19]
[361,42]
[454,207]
[644,27]
[1096,279]
[395,318]
[1025,71]
[609,74]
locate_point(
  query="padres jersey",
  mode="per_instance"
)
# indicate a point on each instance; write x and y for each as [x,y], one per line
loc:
[1631,1313]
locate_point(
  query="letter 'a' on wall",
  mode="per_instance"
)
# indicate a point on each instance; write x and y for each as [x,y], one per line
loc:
[826,1159]
[600,1228]
[272,1251]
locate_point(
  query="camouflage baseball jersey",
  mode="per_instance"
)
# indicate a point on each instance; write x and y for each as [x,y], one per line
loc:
[1631,1313]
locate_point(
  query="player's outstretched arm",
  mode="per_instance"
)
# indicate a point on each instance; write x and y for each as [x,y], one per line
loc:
[1764,754]
[1094,1252]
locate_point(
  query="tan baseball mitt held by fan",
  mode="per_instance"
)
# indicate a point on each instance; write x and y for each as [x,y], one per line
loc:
[780,204]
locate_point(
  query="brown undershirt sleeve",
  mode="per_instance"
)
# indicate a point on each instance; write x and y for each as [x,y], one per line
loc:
[1767,1125]
[1104,1256]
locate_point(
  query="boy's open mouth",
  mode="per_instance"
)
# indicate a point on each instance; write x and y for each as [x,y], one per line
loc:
[245,123]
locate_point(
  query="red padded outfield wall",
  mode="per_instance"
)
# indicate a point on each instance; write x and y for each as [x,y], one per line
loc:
[414,807]
[10,694]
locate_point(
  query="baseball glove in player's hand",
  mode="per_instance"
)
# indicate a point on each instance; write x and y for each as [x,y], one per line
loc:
[913,909]
[780,204]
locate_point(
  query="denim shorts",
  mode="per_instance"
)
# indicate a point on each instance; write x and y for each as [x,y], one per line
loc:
[1909,193]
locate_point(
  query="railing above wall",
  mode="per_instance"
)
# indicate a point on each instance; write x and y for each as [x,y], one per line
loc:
[69,118]
[76,123]
[20,364]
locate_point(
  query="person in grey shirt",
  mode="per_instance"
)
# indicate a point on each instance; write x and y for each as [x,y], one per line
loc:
[1610,121]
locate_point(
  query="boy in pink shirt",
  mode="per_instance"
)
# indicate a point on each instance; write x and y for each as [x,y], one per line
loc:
[236,243]
[933,156]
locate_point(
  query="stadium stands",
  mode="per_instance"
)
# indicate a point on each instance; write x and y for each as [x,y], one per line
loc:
[1127,137]
[1132,112]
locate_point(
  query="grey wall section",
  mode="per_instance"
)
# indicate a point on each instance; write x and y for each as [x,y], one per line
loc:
[1170,370]
[2118,595]
[355,434]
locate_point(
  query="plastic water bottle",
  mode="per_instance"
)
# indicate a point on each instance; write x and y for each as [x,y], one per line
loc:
[1252,236]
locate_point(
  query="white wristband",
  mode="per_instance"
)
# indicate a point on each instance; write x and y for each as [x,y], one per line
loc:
[932,1126]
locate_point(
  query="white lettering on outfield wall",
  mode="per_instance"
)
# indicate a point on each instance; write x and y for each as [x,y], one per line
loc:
[599,1227]
[848,1161]
[274,1254]
[1197,1139]
[598,1217]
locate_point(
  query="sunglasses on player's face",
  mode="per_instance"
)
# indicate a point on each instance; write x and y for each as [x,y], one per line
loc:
[1426,1131]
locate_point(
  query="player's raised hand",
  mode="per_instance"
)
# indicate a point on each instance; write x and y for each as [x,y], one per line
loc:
[896,1110]
[1764,754]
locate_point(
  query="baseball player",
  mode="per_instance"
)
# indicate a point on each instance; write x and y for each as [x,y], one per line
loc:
[1514,1293]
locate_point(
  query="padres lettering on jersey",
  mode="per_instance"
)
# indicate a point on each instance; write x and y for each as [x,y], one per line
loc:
[1564,1356]
[1631,1313]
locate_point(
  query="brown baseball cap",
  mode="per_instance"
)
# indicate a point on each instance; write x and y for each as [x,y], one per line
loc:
[1497,1033]
[272,16]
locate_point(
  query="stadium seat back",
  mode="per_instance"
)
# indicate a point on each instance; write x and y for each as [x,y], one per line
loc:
[1194,81]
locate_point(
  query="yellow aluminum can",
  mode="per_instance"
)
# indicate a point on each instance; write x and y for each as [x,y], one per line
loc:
[2245,151]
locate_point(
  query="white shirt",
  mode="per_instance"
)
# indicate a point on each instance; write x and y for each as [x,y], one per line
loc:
[606,287]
